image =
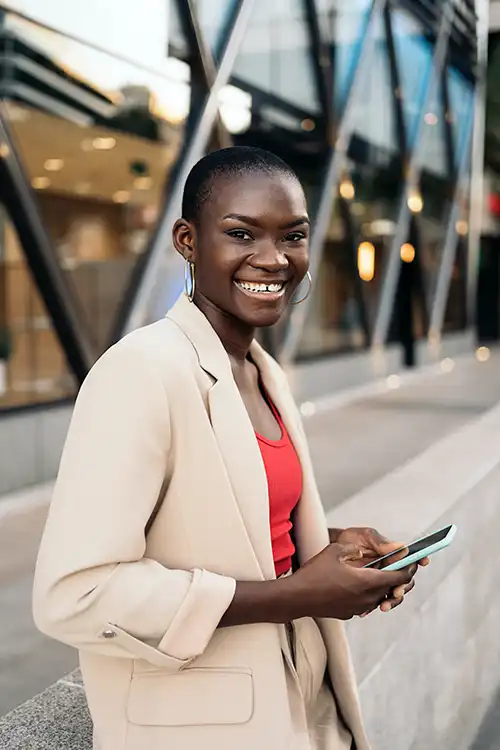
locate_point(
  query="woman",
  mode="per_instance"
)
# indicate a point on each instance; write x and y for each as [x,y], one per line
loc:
[186,495]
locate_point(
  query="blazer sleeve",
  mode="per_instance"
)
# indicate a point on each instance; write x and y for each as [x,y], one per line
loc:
[94,588]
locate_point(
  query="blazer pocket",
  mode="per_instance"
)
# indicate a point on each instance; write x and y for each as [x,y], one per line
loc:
[193,697]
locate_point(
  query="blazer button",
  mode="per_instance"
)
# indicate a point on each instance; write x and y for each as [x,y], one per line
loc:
[108,634]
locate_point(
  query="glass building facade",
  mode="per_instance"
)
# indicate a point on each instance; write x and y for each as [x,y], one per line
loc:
[104,109]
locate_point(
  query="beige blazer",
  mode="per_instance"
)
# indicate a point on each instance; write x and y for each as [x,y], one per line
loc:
[159,424]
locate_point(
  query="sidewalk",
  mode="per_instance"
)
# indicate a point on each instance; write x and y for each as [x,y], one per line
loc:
[355,439]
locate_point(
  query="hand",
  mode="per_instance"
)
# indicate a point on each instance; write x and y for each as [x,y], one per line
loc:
[374,545]
[330,585]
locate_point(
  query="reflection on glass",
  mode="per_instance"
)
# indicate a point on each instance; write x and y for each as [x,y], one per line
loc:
[334,321]
[98,138]
[214,16]
[32,365]
[461,95]
[275,58]
[436,192]
[414,56]
[375,165]
[344,24]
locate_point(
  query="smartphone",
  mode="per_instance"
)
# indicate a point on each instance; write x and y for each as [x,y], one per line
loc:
[424,547]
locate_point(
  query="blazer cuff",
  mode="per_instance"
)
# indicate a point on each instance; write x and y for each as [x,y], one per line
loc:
[196,621]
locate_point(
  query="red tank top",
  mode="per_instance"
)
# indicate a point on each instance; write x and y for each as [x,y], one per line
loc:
[284,480]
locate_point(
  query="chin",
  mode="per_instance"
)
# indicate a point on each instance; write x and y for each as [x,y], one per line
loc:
[264,318]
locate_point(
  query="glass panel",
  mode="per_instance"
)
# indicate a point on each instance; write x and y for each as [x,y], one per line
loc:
[33,368]
[334,321]
[461,95]
[214,17]
[414,57]
[123,28]
[344,24]
[436,192]
[373,182]
[276,58]
[98,138]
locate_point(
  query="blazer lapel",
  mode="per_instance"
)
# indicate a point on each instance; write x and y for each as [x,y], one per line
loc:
[234,434]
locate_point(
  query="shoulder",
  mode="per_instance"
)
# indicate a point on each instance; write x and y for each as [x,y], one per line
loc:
[158,352]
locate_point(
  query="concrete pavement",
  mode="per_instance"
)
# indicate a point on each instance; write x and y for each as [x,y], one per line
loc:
[353,443]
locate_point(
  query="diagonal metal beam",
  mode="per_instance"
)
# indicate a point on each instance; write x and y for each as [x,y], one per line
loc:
[477,187]
[322,64]
[450,241]
[66,314]
[160,256]
[203,64]
[391,274]
[337,161]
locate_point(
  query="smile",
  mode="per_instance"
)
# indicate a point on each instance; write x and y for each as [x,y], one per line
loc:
[253,287]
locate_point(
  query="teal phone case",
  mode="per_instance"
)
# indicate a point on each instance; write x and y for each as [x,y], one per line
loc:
[406,561]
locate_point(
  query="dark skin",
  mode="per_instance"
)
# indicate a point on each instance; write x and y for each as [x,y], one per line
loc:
[254,229]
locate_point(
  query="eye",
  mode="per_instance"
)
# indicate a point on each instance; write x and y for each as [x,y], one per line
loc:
[294,237]
[239,234]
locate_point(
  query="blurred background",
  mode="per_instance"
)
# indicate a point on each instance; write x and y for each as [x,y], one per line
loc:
[389,111]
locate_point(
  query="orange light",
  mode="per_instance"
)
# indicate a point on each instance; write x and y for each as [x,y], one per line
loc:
[407,252]
[346,190]
[366,261]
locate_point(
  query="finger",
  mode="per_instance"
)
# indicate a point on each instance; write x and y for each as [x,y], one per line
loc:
[424,562]
[390,604]
[401,591]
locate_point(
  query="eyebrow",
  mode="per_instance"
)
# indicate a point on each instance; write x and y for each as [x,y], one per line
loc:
[248,220]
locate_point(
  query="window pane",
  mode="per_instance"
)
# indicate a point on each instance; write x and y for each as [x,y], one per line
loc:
[98,138]
[334,321]
[436,191]
[414,57]
[374,167]
[344,24]
[32,365]
[214,16]
[276,59]
[123,28]
[461,94]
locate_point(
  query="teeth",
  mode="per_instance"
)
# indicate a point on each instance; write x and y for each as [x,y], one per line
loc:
[250,286]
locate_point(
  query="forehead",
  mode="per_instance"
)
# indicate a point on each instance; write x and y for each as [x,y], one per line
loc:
[276,197]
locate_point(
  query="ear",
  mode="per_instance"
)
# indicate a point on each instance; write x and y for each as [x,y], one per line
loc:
[184,239]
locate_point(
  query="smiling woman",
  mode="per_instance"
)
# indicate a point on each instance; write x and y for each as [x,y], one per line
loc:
[209,615]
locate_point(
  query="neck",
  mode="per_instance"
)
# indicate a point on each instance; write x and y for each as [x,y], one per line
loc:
[236,336]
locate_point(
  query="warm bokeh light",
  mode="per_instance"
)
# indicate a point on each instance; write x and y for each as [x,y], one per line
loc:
[483,354]
[430,118]
[121,196]
[462,227]
[104,144]
[415,203]
[40,183]
[346,190]
[407,252]
[447,365]
[53,165]
[366,261]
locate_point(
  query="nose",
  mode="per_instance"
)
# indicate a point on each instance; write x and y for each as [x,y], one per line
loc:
[269,258]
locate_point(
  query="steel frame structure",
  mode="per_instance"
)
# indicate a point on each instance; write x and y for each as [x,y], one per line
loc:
[210,73]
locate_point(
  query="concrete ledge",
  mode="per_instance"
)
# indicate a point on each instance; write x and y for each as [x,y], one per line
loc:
[430,670]
[57,719]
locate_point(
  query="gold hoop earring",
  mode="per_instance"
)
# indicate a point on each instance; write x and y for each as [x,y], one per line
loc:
[189,280]
[302,299]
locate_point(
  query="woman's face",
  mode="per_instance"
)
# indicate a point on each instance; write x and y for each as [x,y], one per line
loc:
[250,247]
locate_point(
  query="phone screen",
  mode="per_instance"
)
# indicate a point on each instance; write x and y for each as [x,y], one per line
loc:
[418,546]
